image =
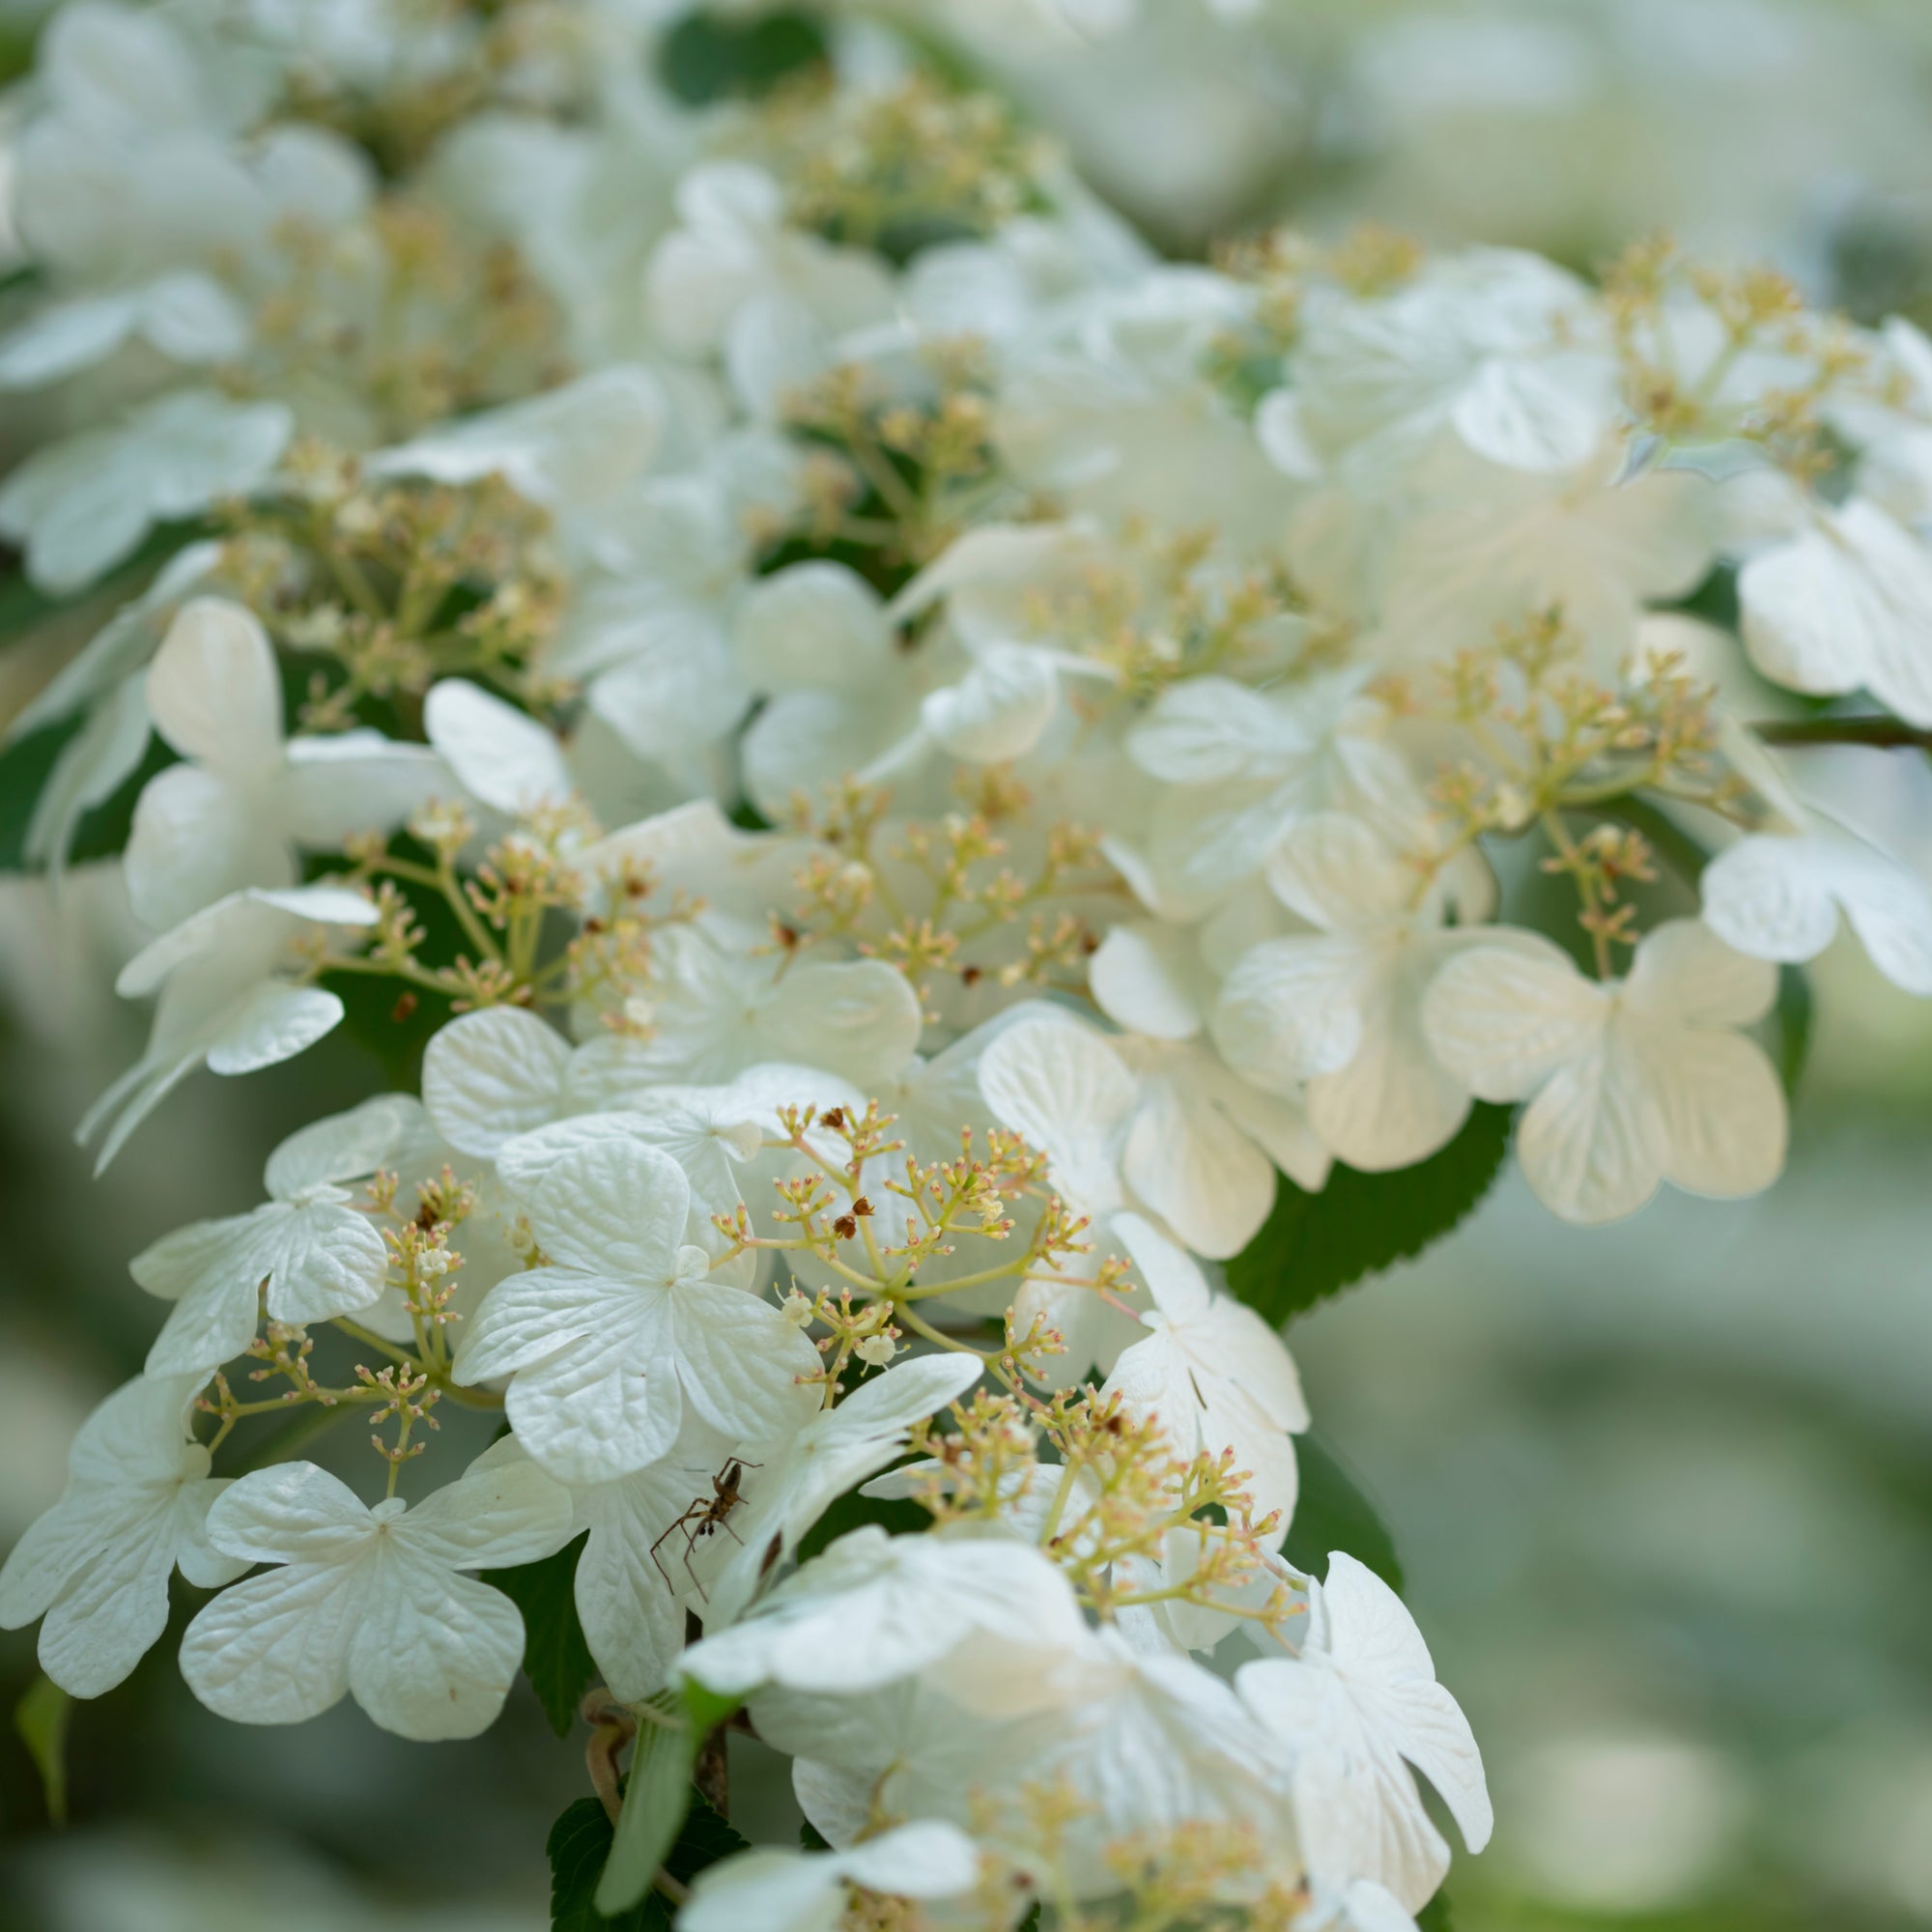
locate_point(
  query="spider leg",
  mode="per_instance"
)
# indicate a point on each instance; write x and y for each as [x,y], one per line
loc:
[670,1531]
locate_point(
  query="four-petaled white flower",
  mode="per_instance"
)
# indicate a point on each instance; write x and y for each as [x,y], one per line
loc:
[97,1564]
[223,1001]
[234,813]
[370,1600]
[609,1343]
[1359,1699]
[307,1253]
[1631,1083]
[1213,1372]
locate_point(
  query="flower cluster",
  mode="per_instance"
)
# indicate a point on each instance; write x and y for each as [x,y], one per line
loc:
[1091,744]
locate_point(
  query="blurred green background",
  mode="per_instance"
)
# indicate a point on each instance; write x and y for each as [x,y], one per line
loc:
[1663,1491]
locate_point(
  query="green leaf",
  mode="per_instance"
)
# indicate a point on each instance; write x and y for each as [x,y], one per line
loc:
[40,1721]
[1332,1513]
[579,1843]
[1434,1915]
[1315,1246]
[659,1792]
[810,1838]
[556,1659]
[1791,1018]
[709,57]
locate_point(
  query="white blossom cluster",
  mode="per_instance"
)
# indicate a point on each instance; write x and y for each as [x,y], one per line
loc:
[1085,739]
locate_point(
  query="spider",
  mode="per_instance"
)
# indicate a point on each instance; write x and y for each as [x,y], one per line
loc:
[705,1515]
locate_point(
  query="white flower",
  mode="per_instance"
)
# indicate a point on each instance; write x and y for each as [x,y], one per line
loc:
[97,1564]
[234,813]
[874,1608]
[221,1000]
[716,1012]
[370,1600]
[1635,1081]
[80,506]
[1482,344]
[1360,1698]
[1216,1374]
[1845,604]
[1342,1011]
[835,1449]
[1779,896]
[780,1890]
[308,1249]
[733,279]
[1505,545]
[607,1344]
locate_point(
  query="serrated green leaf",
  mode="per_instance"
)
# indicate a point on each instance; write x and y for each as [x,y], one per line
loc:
[556,1659]
[1315,1246]
[709,57]
[40,1721]
[579,1843]
[1332,1513]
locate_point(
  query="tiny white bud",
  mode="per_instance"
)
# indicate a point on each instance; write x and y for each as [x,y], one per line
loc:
[796,1308]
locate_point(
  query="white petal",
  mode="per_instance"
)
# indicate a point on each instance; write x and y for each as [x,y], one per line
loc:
[1502,1018]
[811,624]
[1196,1169]
[112,1610]
[434,1654]
[501,755]
[291,1512]
[1340,875]
[999,710]
[1062,1086]
[1684,970]
[529,1317]
[490,1076]
[741,1362]
[860,1020]
[1291,1008]
[1593,1144]
[612,1207]
[274,1648]
[494,1515]
[588,1415]
[1723,1110]
[214,691]
[1847,603]
[1771,897]
[344,1147]
[1148,977]
[197,836]
[274,1023]
[633,1618]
